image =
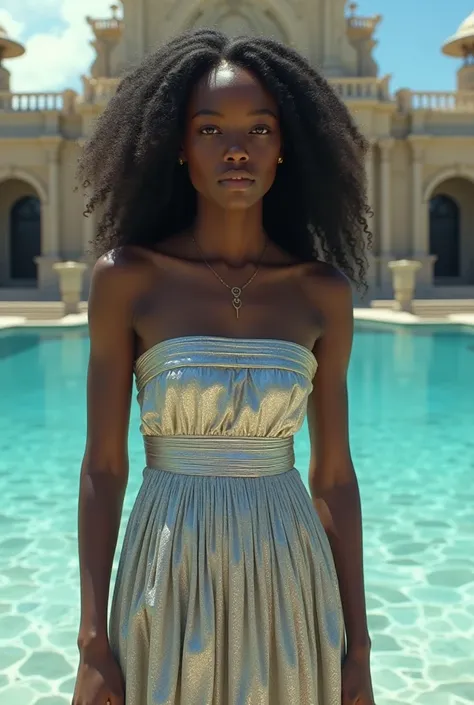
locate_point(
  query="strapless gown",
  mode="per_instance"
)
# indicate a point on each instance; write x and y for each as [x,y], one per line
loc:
[226,591]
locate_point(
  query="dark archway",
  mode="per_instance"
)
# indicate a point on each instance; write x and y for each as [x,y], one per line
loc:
[445,235]
[25,237]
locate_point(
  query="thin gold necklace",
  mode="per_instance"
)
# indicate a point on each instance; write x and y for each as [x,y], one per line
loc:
[236,291]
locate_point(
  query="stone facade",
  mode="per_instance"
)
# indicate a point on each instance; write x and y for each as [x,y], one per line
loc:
[420,167]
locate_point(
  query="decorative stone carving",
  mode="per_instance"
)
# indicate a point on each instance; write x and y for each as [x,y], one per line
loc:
[108,33]
[9,49]
[360,31]
[70,284]
[404,280]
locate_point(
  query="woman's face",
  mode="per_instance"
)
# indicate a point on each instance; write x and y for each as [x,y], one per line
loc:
[232,140]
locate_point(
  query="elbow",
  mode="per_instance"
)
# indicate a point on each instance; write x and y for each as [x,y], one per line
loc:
[324,480]
[328,491]
[113,468]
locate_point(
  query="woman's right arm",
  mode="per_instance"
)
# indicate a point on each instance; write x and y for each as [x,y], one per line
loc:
[104,471]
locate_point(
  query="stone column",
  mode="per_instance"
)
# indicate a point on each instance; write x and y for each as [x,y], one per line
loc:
[88,228]
[420,213]
[327,34]
[419,220]
[386,188]
[88,234]
[373,273]
[369,169]
[385,220]
[47,281]
[52,236]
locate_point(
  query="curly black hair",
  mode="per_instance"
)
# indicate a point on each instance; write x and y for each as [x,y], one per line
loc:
[316,208]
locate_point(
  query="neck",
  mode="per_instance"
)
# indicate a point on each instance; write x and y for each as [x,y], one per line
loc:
[235,237]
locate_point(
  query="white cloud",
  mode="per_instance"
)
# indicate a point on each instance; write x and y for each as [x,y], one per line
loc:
[11,25]
[54,58]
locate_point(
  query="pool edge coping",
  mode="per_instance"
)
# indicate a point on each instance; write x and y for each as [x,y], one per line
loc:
[382,317]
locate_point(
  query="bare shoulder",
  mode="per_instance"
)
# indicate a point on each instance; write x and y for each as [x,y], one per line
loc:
[330,296]
[327,288]
[120,265]
[120,274]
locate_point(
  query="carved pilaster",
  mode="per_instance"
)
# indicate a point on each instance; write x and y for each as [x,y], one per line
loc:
[50,244]
[420,234]
[386,146]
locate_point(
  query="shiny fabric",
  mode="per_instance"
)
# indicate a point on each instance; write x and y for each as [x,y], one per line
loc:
[220,455]
[226,592]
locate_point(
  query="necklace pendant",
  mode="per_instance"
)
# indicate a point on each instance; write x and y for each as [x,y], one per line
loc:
[236,302]
[236,291]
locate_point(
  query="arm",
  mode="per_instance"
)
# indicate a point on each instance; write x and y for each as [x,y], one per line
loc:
[104,470]
[332,480]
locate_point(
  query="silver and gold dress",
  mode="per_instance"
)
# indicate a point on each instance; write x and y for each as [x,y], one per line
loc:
[226,592]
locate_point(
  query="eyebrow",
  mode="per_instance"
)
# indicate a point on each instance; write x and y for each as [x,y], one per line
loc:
[260,111]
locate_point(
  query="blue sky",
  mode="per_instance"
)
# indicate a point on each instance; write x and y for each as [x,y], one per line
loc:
[410,38]
[56,34]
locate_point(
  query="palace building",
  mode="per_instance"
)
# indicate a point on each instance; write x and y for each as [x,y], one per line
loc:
[420,166]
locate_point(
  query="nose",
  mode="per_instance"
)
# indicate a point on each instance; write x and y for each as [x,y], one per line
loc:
[236,154]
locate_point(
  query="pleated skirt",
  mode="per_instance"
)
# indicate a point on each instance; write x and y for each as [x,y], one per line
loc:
[227,594]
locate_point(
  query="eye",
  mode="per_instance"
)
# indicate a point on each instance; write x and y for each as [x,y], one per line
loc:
[208,130]
[261,130]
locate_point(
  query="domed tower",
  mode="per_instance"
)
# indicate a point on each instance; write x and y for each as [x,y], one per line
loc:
[461,45]
[9,49]
[360,32]
[108,33]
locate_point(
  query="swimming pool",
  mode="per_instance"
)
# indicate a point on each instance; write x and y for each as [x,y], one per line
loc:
[412,417]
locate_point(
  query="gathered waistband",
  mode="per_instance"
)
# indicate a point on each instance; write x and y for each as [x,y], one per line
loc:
[220,455]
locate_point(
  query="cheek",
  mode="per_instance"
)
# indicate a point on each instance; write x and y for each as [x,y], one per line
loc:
[201,171]
[202,157]
[268,159]
[267,153]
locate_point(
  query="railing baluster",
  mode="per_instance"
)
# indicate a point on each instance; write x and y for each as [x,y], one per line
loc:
[102,90]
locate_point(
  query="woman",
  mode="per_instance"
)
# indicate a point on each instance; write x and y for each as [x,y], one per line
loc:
[231,184]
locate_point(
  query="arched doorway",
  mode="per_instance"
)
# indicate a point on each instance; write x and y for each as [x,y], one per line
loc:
[445,235]
[25,237]
[450,198]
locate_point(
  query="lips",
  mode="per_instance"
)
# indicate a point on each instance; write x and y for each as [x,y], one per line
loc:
[236,176]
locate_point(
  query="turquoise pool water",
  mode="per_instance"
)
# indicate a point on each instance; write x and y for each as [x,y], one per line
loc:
[412,421]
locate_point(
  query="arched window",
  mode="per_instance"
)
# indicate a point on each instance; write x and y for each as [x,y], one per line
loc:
[445,235]
[25,237]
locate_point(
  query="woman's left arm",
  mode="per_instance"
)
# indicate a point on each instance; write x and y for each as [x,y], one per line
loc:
[332,479]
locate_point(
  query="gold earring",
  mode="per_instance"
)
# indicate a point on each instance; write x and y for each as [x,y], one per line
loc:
[280,160]
[181,161]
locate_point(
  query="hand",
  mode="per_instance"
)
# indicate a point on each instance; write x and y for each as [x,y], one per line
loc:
[357,681]
[99,680]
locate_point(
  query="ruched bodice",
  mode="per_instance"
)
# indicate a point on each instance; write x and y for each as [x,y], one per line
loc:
[204,385]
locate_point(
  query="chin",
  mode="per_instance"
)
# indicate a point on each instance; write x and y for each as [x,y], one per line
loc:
[239,204]
[239,201]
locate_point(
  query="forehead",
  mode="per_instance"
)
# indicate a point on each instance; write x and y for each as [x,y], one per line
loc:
[231,86]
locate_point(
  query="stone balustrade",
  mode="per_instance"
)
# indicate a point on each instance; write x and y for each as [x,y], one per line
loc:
[362,88]
[366,24]
[37,102]
[107,25]
[440,101]
[99,90]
